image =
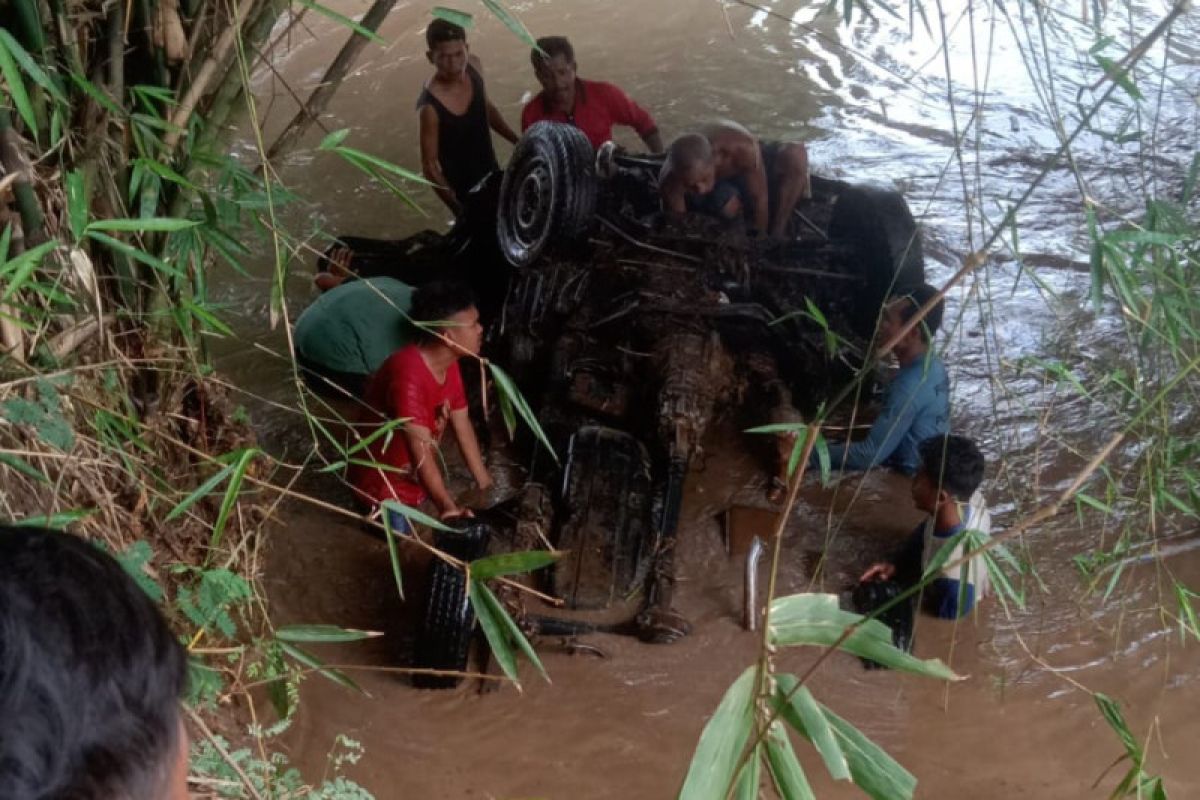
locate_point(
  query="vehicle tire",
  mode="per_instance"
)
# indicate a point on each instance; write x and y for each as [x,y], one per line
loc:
[548,196]
[605,516]
[878,222]
[444,639]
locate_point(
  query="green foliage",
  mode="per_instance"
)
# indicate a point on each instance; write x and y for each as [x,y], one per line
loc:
[44,415]
[208,604]
[1135,783]
[135,561]
[502,632]
[460,18]
[274,778]
[722,742]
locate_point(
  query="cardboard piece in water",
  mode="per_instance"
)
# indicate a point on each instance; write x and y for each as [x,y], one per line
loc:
[743,523]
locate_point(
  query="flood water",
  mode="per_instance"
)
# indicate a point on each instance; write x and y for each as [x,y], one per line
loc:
[872,104]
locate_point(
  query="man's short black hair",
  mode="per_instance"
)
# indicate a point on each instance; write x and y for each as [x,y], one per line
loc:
[552,46]
[441,30]
[915,300]
[90,675]
[687,152]
[436,302]
[952,462]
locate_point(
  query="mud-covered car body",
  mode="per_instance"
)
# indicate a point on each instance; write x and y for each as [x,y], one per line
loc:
[628,334]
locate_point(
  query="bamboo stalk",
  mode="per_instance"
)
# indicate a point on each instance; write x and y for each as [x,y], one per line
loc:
[13,158]
[331,80]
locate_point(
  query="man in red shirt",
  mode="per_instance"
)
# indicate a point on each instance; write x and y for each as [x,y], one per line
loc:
[421,383]
[592,106]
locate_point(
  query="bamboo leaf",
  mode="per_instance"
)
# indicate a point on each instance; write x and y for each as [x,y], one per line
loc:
[512,563]
[460,18]
[505,386]
[56,521]
[393,554]
[16,89]
[333,674]
[231,493]
[786,772]
[871,768]
[201,491]
[750,777]
[511,629]
[146,224]
[815,619]
[17,271]
[780,427]
[807,711]
[411,514]
[77,204]
[24,467]
[341,19]
[322,634]
[97,94]
[1116,720]
[711,773]
[136,254]
[513,24]
[493,631]
[333,139]
[26,62]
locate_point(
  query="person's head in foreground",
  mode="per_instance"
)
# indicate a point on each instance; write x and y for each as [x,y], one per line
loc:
[951,470]
[896,314]
[554,66]
[447,51]
[447,316]
[689,164]
[90,677]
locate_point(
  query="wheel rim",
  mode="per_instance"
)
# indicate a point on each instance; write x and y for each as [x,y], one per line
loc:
[529,207]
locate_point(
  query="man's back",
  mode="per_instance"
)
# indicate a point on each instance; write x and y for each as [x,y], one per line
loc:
[354,327]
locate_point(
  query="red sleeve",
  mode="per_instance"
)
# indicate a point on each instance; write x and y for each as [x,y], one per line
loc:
[529,113]
[407,393]
[626,112]
[454,388]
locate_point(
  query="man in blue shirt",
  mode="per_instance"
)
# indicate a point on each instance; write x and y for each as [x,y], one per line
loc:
[916,404]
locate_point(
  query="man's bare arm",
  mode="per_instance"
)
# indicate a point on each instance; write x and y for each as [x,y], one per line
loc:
[653,141]
[469,445]
[499,124]
[429,473]
[673,197]
[431,166]
[751,167]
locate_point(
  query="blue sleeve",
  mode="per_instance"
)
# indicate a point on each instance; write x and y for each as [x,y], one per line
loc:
[899,408]
[945,598]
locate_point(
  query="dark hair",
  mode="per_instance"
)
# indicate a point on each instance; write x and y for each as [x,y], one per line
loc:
[436,302]
[552,46]
[953,463]
[915,301]
[90,675]
[685,154]
[441,30]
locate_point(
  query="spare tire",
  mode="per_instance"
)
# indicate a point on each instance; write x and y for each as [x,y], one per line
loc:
[444,639]
[548,196]
[878,223]
[606,523]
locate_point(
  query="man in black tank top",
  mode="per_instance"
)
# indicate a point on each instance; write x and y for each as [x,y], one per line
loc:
[456,117]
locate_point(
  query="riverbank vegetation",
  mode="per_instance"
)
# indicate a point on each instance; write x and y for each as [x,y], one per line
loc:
[118,196]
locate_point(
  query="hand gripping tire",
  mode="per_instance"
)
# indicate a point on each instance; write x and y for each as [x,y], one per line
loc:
[548,196]
[606,521]
[449,622]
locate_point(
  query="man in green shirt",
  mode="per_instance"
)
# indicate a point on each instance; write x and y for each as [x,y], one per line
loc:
[350,330]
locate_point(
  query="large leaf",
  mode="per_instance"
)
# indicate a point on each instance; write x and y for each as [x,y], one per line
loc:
[808,711]
[17,271]
[452,15]
[332,673]
[411,514]
[513,24]
[509,393]
[715,761]
[342,19]
[393,554]
[815,619]
[494,631]
[322,634]
[871,768]
[786,772]
[16,88]
[231,493]
[149,224]
[511,630]
[512,563]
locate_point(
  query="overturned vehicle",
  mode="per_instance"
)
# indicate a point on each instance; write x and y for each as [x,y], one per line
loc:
[628,334]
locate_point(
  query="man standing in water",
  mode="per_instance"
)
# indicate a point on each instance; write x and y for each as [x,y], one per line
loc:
[770,177]
[456,117]
[421,384]
[592,106]
[916,404]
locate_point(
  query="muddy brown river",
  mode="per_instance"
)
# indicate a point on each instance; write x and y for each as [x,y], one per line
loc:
[872,103]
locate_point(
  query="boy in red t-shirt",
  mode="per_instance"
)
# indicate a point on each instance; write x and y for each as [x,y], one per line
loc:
[592,106]
[421,383]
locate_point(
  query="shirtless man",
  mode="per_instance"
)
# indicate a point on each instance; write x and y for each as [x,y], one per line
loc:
[456,117]
[769,176]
